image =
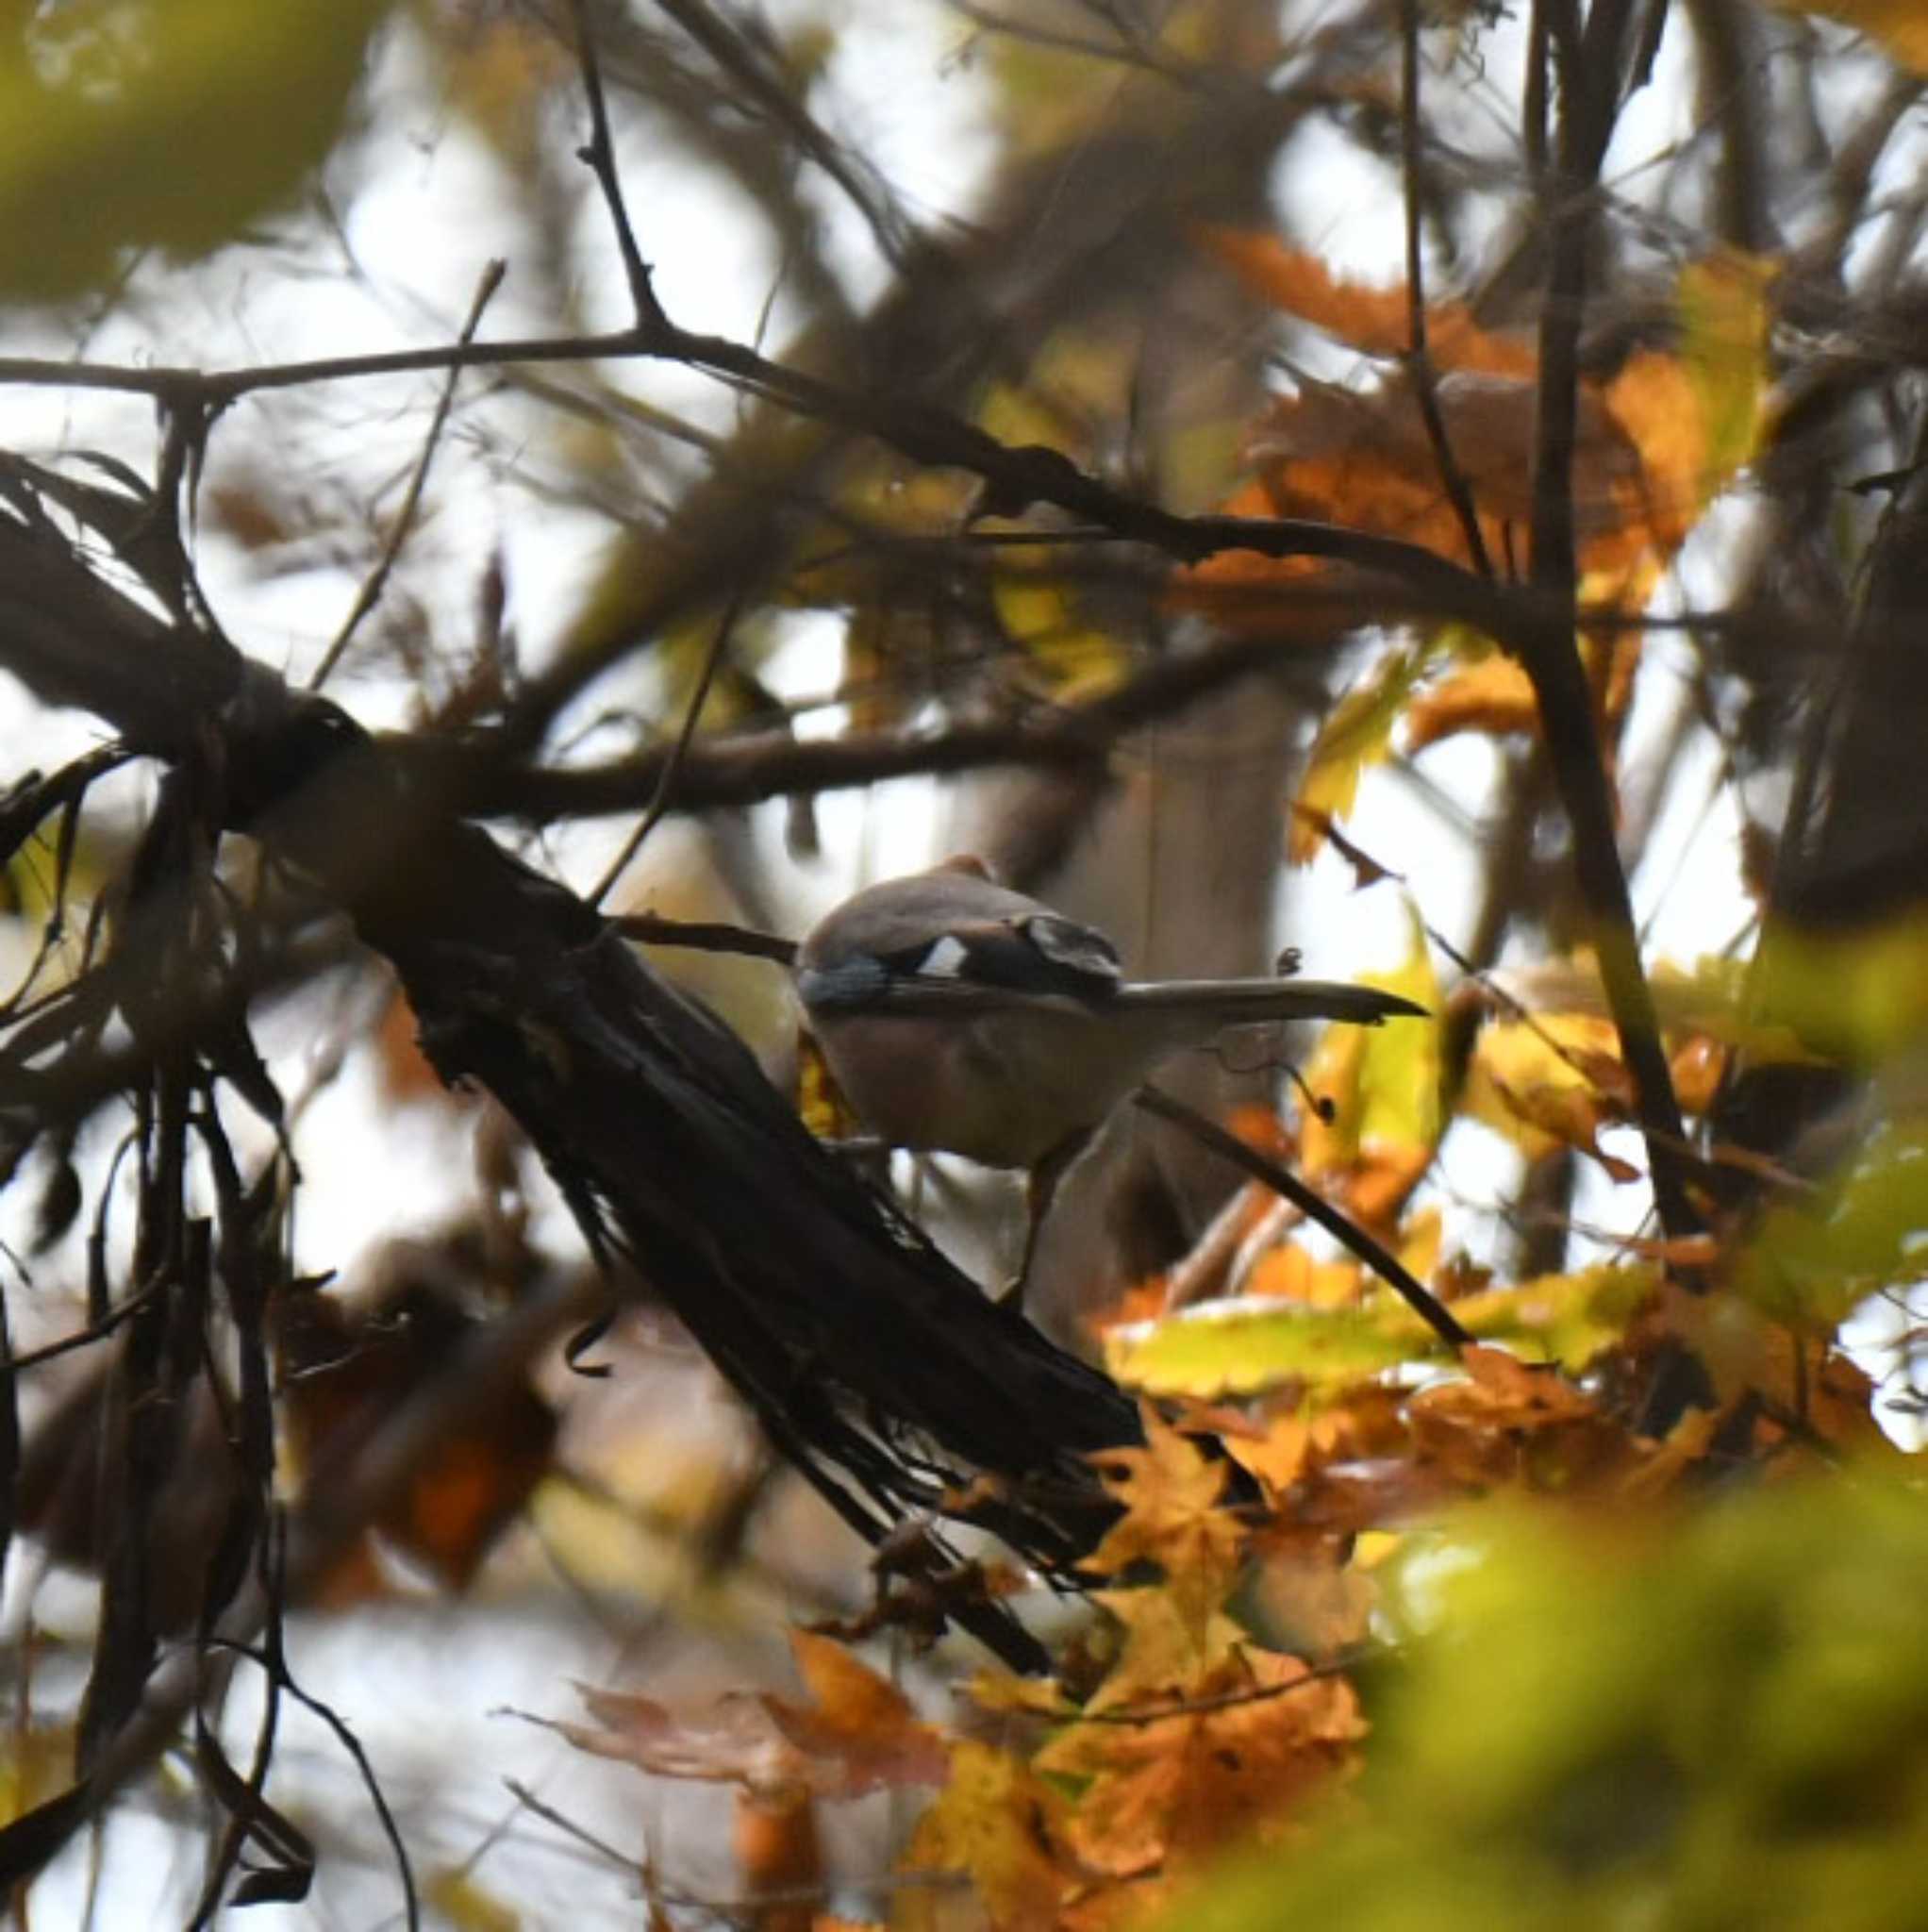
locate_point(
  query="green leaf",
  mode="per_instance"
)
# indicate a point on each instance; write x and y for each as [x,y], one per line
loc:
[164,124]
[1814,1261]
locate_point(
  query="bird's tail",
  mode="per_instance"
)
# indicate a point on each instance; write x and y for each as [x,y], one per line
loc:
[1248,1002]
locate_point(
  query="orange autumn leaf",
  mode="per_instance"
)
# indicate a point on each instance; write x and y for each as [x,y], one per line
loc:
[1289,1272]
[1373,319]
[1314,1597]
[1510,1421]
[1698,1066]
[1652,447]
[778,1849]
[1336,445]
[1494,696]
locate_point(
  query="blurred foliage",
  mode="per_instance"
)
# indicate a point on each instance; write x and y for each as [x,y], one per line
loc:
[1384,1634]
[1711,1718]
[161,124]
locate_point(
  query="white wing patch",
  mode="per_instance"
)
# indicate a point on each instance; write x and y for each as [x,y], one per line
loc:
[946,960]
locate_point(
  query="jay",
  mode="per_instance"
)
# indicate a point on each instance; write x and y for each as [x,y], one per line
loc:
[961,1016]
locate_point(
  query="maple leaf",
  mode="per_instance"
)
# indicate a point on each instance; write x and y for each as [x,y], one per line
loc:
[1279,1456]
[1172,1493]
[1289,1271]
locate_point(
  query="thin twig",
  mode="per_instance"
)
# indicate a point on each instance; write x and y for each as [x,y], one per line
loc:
[1589,64]
[1418,362]
[376,581]
[345,1737]
[83,1337]
[706,936]
[1017,477]
[666,783]
[1227,1700]
[739,1909]
[1388,1266]
[599,155]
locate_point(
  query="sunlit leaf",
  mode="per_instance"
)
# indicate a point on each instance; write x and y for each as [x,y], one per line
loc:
[1382,1087]
[1245,1743]
[1550,1081]
[857,1720]
[1357,732]
[1243,1347]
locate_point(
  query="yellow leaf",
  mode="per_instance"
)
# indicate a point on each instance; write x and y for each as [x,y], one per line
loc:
[1357,732]
[1724,317]
[1532,1080]
[991,1821]
[1383,1086]
[457,1897]
[1077,660]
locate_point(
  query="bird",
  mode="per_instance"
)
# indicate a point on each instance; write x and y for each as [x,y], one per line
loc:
[960,1016]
